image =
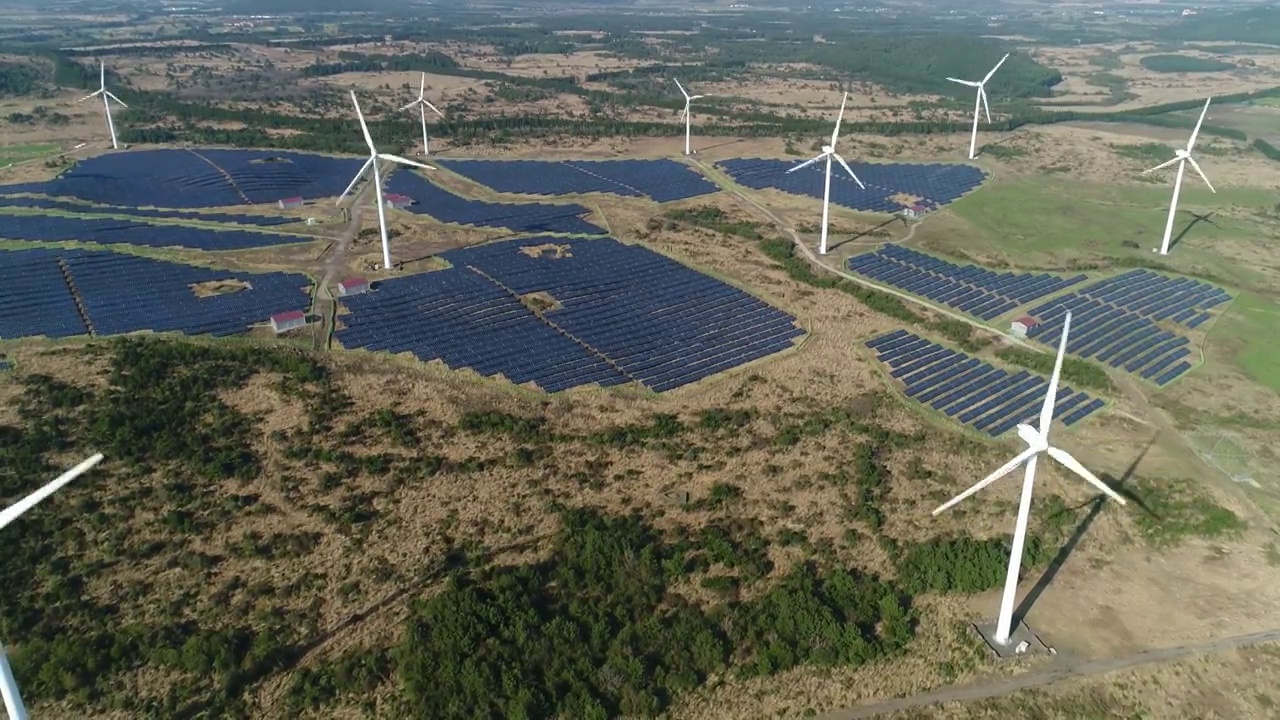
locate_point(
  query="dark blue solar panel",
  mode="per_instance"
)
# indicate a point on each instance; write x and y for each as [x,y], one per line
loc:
[661,180]
[430,199]
[110,231]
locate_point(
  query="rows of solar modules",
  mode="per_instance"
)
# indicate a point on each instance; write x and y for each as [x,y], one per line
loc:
[1117,337]
[935,184]
[1183,300]
[186,179]
[973,392]
[659,321]
[126,293]
[444,206]
[75,207]
[110,231]
[660,180]
[969,288]
[624,313]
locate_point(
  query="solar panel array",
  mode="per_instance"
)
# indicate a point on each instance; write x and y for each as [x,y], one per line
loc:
[623,313]
[430,199]
[973,392]
[188,179]
[1117,337]
[53,292]
[1182,300]
[63,205]
[108,231]
[935,184]
[660,180]
[971,289]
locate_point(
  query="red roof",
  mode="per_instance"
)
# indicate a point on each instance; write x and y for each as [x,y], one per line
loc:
[286,316]
[394,197]
[1027,321]
[354,282]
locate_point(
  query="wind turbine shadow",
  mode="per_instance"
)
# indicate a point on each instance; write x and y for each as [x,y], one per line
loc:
[1196,218]
[868,231]
[1095,508]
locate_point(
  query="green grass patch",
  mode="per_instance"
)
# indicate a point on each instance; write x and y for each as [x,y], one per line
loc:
[1153,153]
[1077,372]
[784,253]
[11,154]
[1267,149]
[1247,332]
[1181,510]
[1183,63]
[1003,152]
[713,218]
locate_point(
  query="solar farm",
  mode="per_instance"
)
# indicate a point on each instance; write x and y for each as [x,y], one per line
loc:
[150,213]
[971,289]
[109,231]
[972,392]
[63,293]
[1118,321]
[935,184]
[659,180]
[610,314]
[434,201]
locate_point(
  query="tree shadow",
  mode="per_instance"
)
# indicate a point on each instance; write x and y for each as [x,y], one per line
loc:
[1196,218]
[1095,508]
[868,231]
[723,144]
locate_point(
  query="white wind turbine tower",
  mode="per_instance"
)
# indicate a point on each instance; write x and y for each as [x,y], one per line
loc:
[980,104]
[107,97]
[1182,157]
[374,156]
[1038,442]
[8,686]
[828,152]
[423,104]
[687,119]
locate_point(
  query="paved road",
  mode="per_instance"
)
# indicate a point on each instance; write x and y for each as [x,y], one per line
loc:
[1061,671]
[337,256]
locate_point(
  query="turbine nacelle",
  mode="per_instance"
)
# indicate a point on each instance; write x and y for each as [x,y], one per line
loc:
[828,150]
[1034,439]
[1182,154]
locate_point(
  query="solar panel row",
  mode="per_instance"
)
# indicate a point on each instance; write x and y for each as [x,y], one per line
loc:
[621,313]
[1120,338]
[108,231]
[1180,300]
[76,207]
[971,289]
[934,184]
[126,293]
[173,178]
[975,393]
[432,200]
[660,180]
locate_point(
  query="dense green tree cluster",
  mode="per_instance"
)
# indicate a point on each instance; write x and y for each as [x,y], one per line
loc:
[1252,25]
[20,78]
[1183,64]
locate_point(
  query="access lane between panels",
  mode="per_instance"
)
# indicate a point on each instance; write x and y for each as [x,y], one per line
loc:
[971,391]
[935,184]
[659,180]
[108,231]
[971,289]
[126,293]
[623,313]
[142,213]
[1123,339]
[434,201]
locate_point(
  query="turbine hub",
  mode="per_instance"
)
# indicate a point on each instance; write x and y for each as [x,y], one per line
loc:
[827,149]
[1181,153]
[1032,438]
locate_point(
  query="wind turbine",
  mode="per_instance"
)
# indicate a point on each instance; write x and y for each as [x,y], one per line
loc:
[979,104]
[687,120]
[374,155]
[423,104]
[107,97]
[8,686]
[1037,442]
[828,152]
[1182,157]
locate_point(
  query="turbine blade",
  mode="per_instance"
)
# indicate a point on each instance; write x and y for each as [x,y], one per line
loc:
[807,163]
[363,127]
[93,94]
[1003,470]
[356,179]
[118,100]
[836,133]
[12,512]
[682,91]
[994,69]
[696,97]
[102,75]
[1161,166]
[1200,172]
[970,83]
[982,96]
[404,161]
[1051,397]
[433,107]
[406,107]
[422,87]
[845,165]
[1196,132]
[1074,466]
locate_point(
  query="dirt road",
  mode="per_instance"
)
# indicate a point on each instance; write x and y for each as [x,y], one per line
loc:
[1060,671]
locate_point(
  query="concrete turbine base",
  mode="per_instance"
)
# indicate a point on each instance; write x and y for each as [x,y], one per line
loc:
[1020,634]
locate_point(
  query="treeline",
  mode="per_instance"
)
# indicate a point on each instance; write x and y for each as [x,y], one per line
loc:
[358,62]
[144,50]
[1266,148]
[20,79]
